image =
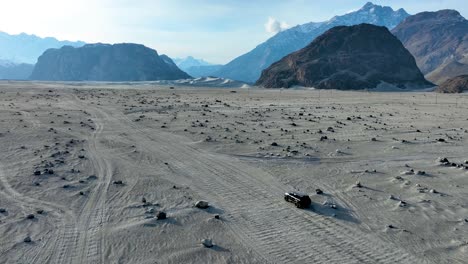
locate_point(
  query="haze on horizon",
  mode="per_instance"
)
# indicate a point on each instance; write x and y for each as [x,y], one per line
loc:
[216,31]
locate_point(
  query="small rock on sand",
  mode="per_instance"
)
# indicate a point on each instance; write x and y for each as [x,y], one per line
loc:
[30,216]
[202,204]
[207,243]
[161,215]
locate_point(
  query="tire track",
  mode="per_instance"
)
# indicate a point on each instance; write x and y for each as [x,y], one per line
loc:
[93,216]
[62,216]
[250,198]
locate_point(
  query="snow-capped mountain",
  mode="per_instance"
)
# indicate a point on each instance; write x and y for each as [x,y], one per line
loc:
[196,67]
[186,63]
[24,48]
[249,66]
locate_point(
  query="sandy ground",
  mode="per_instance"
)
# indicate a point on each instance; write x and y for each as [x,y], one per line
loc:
[173,147]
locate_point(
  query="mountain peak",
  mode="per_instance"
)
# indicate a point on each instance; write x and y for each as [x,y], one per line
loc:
[449,13]
[368,5]
[190,61]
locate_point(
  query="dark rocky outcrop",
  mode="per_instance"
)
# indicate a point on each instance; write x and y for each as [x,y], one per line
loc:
[355,57]
[457,84]
[438,41]
[104,62]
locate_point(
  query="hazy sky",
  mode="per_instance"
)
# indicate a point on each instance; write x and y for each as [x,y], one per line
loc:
[215,30]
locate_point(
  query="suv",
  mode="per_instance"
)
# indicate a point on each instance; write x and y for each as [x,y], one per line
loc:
[298,199]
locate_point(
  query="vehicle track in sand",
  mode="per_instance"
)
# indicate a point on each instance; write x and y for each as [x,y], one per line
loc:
[255,211]
[86,239]
[61,216]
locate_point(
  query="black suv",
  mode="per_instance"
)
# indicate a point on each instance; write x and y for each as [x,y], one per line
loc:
[298,199]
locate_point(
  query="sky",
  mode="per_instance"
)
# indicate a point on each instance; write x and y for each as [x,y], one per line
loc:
[215,30]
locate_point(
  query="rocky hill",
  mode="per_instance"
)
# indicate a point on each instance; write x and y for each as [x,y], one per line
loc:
[355,57]
[104,62]
[249,66]
[438,41]
[457,84]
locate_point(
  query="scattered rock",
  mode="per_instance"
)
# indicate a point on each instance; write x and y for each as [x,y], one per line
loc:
[443,160]
[358,184]
[161,215]
[207,243]
[410,172]
[202,204]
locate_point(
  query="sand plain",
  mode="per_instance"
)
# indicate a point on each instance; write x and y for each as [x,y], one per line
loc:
[85,168]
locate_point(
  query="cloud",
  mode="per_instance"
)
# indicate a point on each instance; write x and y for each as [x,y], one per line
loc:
[275,26]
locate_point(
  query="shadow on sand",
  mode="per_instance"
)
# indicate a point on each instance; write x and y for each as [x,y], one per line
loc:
[337,211]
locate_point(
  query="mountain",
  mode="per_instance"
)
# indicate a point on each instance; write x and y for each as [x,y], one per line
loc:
[249,66]
[24,48]
[438,41]
[196,67]
[105,62]
[185,63]
[347,57]
[457,84]
[15,71]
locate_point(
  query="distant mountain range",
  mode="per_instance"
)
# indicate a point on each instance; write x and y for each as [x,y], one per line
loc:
[356,57]
[15,71]
[249,66]
[196,67]
[105,62]
[438,41]
[187,62]
[24,48]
